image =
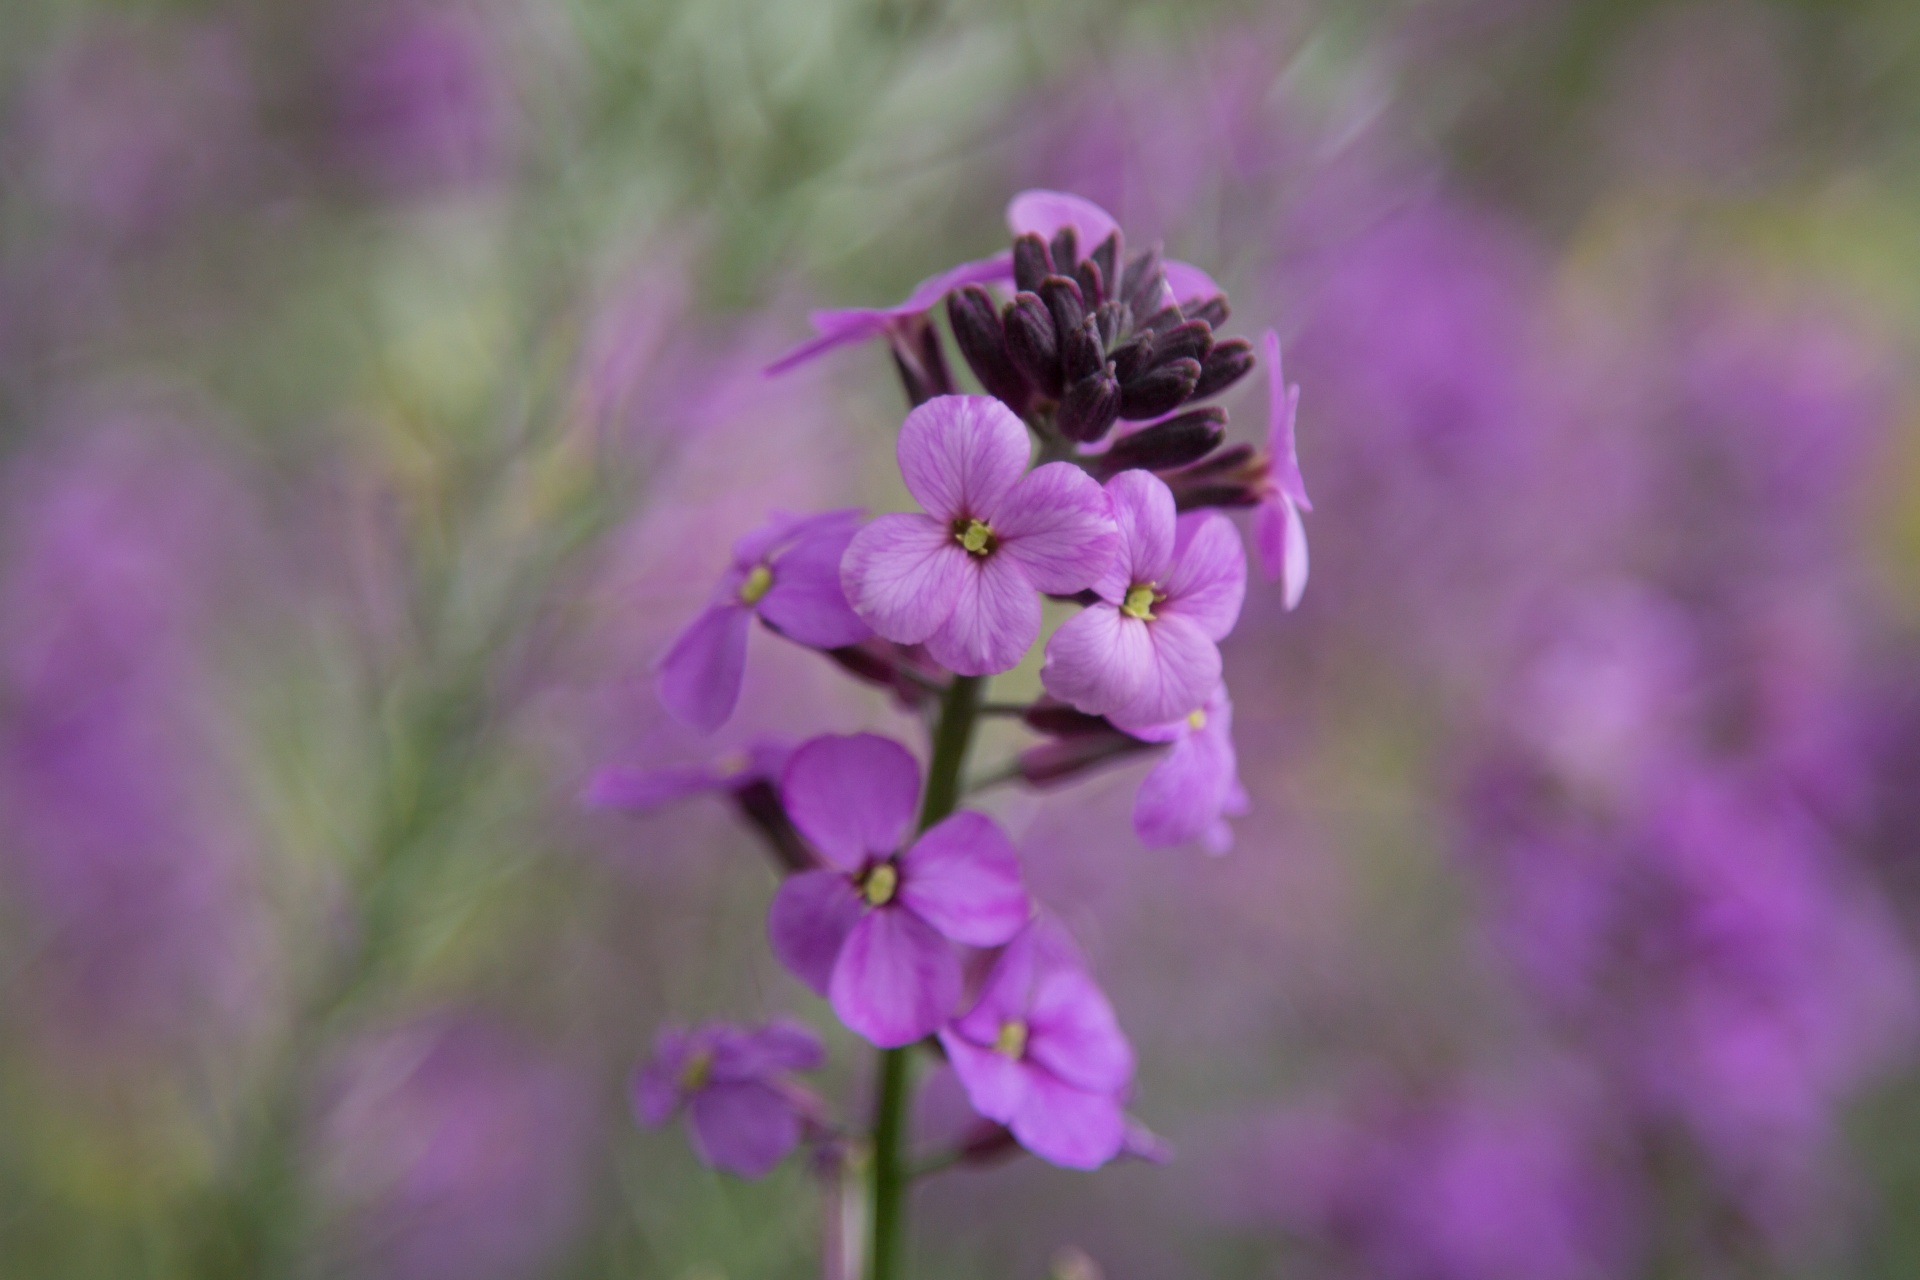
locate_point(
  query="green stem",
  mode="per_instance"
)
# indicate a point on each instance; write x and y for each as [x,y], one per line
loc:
[952,735]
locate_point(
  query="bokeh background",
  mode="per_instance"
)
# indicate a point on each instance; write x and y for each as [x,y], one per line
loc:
[379,392]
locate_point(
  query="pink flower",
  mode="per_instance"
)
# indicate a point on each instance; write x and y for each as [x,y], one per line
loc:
[964,577]
[858,324]
[787,572]
[1277,531]
[1042,1053]
[1194,789]
[872,932]
[743,1114]
[1148,651]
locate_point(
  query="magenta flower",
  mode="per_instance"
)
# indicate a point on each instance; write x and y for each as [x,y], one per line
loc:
[964,577]
[788,572]
[1277,530]
[639,790]
[1194,789]
[872,931]
[1148,651]
[1042,1053]
[858,324]
[743,1114]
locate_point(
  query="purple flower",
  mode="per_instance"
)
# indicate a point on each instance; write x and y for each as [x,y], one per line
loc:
[788,572]
[871,932]
[743,1114]
[1148,651]
[1192,791]
[1041,1052]
[639,790]
[1277,532]
[858,324]
[963,578]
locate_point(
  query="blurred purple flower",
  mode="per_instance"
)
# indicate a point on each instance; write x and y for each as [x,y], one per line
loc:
[786,572]
[743,1113]
[964,578]
[1191,792]
[872,932]
[1041,1052]
[1147,652]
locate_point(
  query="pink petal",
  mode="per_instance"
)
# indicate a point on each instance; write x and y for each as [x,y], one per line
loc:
[1184,668]
[963,878]
[1008,989]
[1098,659]
[1188,283]
[1072,1032]
[1070,1127]
[786,1044]
[1143,509]
[1281,538]
[700,676]
[1283,407]
[1057,523]
[1182,797]
[996,1085]
[1045,212]
[834,329]
[655,1088]
[1209,578]
[808,922]
[852,796]
[902,574]
[997,269]
[745,1128]
[961,454]
[995,619]
[806,602]
[897,980]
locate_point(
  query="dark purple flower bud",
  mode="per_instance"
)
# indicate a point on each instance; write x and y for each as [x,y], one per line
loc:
[913,677]
[1093,285]
[1237,476]
[1229,362]
[1238,461]
[1106,256]
[1031,263]
[1113,319]
[1194,497]
[1159,390]
[1131,358]
[1065,249]
[1189,340]
[977,330]
[1090,406]
[1065,304]
[1166,445]
[1057,719]
[1159,321]
[918,358]
[759,804]
[1080,353]
[1064,759]
[1032,343]
[1143,282]
[1214,310]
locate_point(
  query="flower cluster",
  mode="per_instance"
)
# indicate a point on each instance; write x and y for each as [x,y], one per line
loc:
[1087,475]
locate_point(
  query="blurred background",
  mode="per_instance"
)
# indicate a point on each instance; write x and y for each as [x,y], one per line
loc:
[379,392]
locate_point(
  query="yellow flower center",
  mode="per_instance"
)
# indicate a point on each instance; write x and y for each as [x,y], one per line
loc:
[977,537]
[880,884]
[1197,718]
[756,584]
[693,1076]
[1012,1040]
[1140,601]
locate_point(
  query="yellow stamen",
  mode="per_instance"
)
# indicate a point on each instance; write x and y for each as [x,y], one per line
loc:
[880,884]
[1012,1040]
[693,1076]
[756,585]
[1197,718]
[977,538]
[1140,601]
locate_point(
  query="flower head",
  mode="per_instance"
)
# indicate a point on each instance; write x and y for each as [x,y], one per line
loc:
[1192,791]
[1147,652]
[788,573]
[1041,1052]
[1277,530]
[743,1113]
[964,576]
[872,930]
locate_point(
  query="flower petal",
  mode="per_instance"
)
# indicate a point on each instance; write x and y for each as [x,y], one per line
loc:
[897,980]
[1058,524]
[745,1127]
[1143,510]
[1045,212]
[963,878]
[902,574]
[1184,667]
[852,796]
[996,1085]
[1283,408]
[1281,537]
[700,676]
[1188,283]
[654,1089]
[638,790]
[995,619]
[996,269]
[961,454]
[1098,659]
[787,1044]
[1072,1032]
[808,923]
[1070,1127]
[833,329]
[1209,578]
[1181,797]
[806,602]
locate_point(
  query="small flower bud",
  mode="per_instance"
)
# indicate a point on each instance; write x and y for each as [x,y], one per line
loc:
[1214,310]
[1159,390]
[1065,304]
[1031,262]
[1032,344]
[1064,759]
[1234,477]
[1093,285]
[977,332]
[1188,340]
[1106,256]
[1130,359]
[1065,249]
[1057,719]
[1229,362]
[1143,282]
[1113,319]
[1160,321]
[1080,353]
[759,804]
[1170,444]
[1090,406]
[919,359]
[1193,497]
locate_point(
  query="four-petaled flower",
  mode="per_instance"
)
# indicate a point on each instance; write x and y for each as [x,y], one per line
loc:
[873,931]
[788,572]
[1041,1052]
[1278,533]
[963,578]
[743,1114]
[1147,651]
[1192,791]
